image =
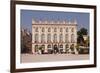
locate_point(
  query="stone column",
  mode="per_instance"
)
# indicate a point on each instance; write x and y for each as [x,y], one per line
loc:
[76,52]
[69,35]
[33,49]
[51,34]
[69,47]
[39,33]
[64,47]
[46,33]
[46,50]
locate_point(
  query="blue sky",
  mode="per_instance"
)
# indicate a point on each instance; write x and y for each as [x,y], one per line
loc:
[27,15]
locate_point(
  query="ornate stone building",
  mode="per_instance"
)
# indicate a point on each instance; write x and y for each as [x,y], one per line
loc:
[47,34]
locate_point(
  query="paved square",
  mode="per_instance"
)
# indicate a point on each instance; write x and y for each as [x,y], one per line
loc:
[29,58]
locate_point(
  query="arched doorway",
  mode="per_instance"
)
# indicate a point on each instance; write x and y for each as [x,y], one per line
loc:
[43,49]
[72,48]
[61,48]
[36,48]
[55,49]
[67,48]
[50,50]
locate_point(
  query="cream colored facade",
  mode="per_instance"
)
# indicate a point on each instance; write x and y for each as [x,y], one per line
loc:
[63,34]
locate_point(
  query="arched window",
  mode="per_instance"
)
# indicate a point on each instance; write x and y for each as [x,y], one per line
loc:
[61,30]
[72,38]
[49,29]
[55,29]
[42,38]
[72,29]
[48,37]
[55,37]
[36,48]
[61,37]
[49,46]
[43,47]
[66,38]
[43,29]
[36,38]
[66,29]
[36,29]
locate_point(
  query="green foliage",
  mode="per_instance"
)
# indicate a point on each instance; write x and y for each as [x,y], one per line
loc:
[86,42]
[77,47]
[82,31]
[80,39]
[72,47]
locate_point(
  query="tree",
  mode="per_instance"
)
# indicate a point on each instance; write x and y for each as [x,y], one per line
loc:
[72,47]
[77,47]
[80,33]
[87,42]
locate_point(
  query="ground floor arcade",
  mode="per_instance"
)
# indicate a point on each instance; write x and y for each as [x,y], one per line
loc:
[54,48]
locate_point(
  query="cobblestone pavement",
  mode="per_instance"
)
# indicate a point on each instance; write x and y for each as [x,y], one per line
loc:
[29,58]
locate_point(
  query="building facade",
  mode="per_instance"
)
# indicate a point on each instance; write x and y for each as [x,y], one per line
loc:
[48,34]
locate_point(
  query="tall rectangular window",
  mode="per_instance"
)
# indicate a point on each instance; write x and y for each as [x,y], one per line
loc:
[61,38]
[66,38]
[72,38]
[36,38]
[55,37]
[49,38]
[42,38]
